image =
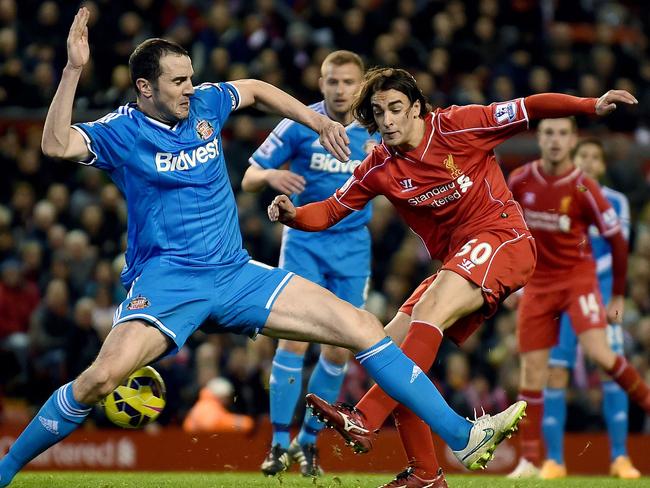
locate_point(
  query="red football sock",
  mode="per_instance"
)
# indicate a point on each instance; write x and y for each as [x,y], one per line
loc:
[629,379]
[531,425]
[418,443]
[421,345]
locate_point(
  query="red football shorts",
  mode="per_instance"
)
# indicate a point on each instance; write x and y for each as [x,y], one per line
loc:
[539,313]
[498,261]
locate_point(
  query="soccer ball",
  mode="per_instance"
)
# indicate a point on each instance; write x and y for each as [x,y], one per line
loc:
[138,400]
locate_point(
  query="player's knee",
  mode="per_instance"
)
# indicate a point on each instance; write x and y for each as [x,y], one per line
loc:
[558,378]
[95,383]
[363,331]
[533,374]
[335,355]
[600,354]
[293,346]
[436,311]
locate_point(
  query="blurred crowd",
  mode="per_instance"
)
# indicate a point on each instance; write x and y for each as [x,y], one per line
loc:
[62,226]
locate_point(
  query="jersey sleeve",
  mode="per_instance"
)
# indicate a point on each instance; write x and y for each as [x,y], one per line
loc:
[220,99]
[357,191]
[278,147]
[484,126]
[598,209]
[621,206]
[109,139]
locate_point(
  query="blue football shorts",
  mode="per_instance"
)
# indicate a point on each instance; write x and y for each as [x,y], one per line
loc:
[338,261]
[238,298]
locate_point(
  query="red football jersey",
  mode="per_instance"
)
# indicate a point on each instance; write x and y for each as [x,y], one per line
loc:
[559,211]
[449,187]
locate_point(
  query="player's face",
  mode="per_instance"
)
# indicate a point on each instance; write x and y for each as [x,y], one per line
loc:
[339,85]
[396,118]
[590,159]
[556,139]
[172,92]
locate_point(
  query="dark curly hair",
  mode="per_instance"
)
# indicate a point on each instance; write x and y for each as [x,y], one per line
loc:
[382,79]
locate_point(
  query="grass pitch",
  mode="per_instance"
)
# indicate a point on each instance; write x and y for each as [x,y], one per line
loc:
[256,480]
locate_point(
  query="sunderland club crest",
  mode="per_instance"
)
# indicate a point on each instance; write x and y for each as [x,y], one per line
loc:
[138,303]
[204,129]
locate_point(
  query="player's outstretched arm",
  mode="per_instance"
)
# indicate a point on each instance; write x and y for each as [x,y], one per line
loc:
[312,217]
[256,179]
[556,105]
[59,140]
[268,98]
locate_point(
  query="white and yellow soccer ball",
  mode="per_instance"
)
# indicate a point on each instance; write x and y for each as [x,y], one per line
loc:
[138,400]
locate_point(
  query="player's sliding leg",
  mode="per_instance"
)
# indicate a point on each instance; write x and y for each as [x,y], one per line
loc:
[443,299]
[325,381]
[285,388]
[305,311]
[554,421]
[127,347]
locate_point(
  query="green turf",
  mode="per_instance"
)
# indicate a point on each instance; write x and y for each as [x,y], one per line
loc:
[255,480]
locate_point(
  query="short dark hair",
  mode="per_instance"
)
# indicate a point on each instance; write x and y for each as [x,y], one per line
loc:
[382,79]
[144,61]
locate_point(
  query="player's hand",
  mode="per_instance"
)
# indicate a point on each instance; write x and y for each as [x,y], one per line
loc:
[615,309]
[285,181]
[334,139]
[78,49]
[607,103]
[281,209]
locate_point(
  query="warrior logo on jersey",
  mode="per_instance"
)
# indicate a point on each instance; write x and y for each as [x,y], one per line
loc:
[204,129]
[407,184]
[138,303]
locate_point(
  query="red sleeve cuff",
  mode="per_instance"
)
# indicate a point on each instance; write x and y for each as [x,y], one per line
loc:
[318,216]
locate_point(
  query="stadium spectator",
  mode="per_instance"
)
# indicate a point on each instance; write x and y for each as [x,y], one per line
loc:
[210,413]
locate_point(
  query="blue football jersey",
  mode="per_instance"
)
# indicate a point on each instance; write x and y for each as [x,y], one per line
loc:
[323,173]
[602,251]
[181,208]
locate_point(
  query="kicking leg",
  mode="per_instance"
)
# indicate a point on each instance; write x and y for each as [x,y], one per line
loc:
[449,298]
[127,347]
[308,312]
[331,320]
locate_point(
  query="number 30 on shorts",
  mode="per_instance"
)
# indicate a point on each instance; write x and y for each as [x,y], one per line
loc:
[478,253]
